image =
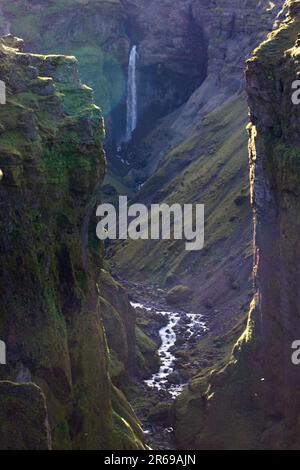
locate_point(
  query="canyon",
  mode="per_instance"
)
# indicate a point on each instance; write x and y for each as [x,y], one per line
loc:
[142,343]
[56,382]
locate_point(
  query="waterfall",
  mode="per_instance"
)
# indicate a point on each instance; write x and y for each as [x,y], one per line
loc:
[131,94]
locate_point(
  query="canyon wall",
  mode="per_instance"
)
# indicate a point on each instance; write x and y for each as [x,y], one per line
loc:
[253,403]
[231,29]
[198,154]
[57,377]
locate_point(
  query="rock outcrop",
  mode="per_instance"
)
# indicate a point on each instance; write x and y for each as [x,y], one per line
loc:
[232,29]
[254,402]
[52,164]
[100,34]
[172,48]
[178,42]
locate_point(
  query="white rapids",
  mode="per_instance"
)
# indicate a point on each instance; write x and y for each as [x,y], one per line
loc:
[193,324]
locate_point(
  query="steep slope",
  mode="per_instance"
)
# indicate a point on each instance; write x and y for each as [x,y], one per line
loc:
[254,401]
[52,165]
[195,152]
[178,42]
[132,356]
[181,148]
[190,41]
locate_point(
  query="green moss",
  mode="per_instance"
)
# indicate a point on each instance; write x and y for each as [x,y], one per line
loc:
[100,69]
[161,413]
[146,351]
[212,168]
[278,42]
[128,434]
[179,295]
[228,409]
[117,339]
[52,160]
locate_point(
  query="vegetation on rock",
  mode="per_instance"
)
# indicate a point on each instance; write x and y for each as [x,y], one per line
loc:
[75,345]
[251,403]
[53,165]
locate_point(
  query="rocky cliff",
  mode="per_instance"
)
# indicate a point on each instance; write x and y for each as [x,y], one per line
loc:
[229,31]
[253,403]
[183,41]
[195,152]
[52,165]
[100,34]
[198,154]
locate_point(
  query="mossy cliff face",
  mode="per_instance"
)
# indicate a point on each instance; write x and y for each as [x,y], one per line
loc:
[93,31]
[119,320]
[275,177]
[132,354]
[23,418]
[254,402]
[53,163]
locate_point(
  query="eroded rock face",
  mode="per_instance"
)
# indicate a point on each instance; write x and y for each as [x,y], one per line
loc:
[254,402]
[274,164]
[120,323]
[23,418]
[172,51]
[232,29]
[53,164]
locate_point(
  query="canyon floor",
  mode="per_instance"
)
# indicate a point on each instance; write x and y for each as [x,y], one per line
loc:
[188,347]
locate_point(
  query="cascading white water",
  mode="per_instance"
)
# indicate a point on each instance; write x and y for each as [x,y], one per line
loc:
[5,24]
[131,122]
[192,324]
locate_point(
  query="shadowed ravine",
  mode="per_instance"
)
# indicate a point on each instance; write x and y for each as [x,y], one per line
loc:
[174,330]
